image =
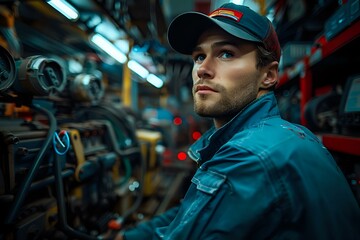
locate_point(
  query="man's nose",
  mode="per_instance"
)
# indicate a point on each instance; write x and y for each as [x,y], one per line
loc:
[206,69]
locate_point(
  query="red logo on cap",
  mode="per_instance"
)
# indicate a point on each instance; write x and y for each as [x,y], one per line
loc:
[225,12]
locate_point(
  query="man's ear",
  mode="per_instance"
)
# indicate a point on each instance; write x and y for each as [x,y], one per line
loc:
[271,76]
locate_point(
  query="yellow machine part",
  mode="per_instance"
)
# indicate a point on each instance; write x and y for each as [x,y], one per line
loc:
[148,141]
[78,149]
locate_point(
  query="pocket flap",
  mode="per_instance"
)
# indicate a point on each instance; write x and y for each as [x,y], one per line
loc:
[208,181]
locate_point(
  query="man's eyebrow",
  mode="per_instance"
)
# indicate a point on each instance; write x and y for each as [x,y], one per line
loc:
[223,43]
[217,44]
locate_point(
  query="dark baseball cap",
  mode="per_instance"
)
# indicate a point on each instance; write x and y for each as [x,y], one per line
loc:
[238,20]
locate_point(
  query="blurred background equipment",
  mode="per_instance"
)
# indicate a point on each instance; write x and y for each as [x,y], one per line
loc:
[7,70]
[349,112]
[321,112]
[39,76]
[73,163]
[87,88]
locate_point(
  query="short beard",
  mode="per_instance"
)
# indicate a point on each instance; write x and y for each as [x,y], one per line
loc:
[225,109]
[229,105]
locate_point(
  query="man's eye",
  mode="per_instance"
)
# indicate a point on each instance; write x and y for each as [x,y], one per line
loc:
[199,58]
[226,54]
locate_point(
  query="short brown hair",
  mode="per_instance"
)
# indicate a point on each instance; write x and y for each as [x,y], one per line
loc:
[264,57]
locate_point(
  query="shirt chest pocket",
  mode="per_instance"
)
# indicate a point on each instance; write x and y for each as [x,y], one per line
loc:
[207,184]
[198,205]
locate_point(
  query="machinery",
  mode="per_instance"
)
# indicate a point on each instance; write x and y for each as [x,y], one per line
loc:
[71,165]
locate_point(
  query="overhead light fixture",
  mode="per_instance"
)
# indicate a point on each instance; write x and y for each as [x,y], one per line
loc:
[138,68]
[238,2]
[271,14]
[144,73]
[155,80]
[109,48]
[65,9]
[74,66]
[123,45]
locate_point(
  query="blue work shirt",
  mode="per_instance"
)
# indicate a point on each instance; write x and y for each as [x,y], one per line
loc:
[260,177]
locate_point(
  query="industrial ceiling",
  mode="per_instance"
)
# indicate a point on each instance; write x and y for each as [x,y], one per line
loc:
[143,24]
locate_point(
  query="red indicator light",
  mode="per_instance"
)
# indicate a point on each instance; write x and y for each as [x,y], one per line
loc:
[196,135]
[177,121]
[181,156]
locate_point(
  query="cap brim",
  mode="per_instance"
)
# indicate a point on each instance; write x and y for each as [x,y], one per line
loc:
[185,30]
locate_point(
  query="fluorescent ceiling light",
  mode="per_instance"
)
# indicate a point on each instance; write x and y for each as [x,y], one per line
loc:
[154,80]
[108,30]
[138,68]
[271,14]
[94,21]
[123,45]
[65,9]
[109,48]
[238,2]
[74,66]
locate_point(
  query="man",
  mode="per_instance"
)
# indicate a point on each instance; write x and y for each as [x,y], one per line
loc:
[258,176]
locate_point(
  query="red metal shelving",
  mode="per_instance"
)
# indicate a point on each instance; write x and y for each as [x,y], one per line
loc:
[345,37]
[302,71]
[324,50]
[341,143]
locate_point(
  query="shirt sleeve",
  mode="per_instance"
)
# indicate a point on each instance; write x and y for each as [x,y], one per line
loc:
[146,230]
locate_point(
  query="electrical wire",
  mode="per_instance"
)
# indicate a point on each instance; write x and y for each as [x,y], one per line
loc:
[65,145]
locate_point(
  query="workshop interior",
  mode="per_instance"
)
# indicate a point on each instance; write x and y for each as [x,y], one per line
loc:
[96,109]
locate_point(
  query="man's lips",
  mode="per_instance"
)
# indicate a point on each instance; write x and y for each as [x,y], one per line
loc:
[204,89]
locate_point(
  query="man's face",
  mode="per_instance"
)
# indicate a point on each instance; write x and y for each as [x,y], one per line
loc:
[224,74]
